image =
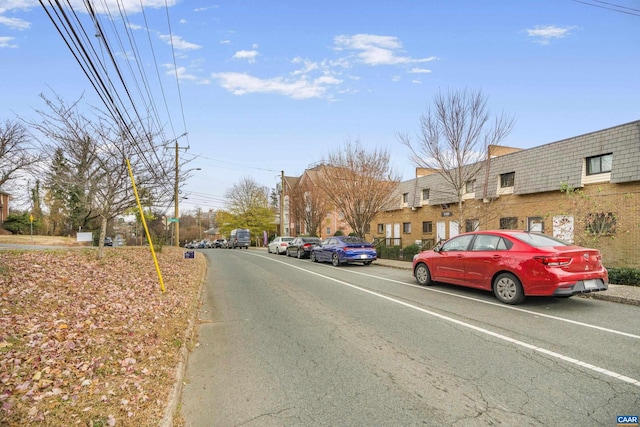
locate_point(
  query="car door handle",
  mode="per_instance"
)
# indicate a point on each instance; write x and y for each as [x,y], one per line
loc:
[496,256]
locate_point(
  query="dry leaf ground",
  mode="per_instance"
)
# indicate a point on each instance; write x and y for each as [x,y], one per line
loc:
[92,342]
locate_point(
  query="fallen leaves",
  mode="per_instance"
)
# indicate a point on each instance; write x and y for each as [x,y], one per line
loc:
[92,342]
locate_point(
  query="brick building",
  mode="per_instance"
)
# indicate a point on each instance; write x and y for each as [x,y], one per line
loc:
[583,189]
[305,187]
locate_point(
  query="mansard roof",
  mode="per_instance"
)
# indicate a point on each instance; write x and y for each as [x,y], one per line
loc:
[540,169]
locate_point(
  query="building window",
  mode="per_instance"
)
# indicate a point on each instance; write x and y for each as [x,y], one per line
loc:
[535,223]
[599,164]
[427,227]
[469,186]
[507,179]
[471,225]
[406,227]
[328,231]
[425,194]
[380,228]
[601,223]
[367,228]
[405,198]
[509,223]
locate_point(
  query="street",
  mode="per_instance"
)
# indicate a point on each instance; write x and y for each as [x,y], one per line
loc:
[284,342]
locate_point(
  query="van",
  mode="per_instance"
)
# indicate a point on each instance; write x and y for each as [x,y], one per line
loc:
[239,238]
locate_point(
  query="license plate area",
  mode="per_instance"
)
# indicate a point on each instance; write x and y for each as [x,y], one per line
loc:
[591,284]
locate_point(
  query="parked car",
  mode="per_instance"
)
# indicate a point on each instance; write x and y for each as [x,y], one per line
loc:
[300,247]
[220,243]
[239,238]
[279,245]
[513,265]
[344,249]
[108,241]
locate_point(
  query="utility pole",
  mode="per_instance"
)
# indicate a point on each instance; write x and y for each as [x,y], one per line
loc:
[176,194]
[282,203]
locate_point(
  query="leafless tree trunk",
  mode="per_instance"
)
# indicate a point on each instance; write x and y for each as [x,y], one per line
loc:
[454,139]
[357,183]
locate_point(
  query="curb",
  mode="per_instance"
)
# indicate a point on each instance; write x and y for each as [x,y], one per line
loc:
[175,395]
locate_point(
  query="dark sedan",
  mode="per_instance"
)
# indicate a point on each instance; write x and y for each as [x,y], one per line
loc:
[300,247]
[344,249]
[513,264]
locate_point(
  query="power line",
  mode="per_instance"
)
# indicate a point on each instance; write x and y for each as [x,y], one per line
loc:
[615,7]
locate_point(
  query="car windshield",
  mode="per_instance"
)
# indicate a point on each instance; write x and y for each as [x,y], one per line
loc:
[243,234]
[539,240]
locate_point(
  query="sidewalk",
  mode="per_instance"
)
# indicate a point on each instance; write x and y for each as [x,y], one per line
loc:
[615,293]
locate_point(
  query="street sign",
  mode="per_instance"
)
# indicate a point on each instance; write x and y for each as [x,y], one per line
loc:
[173,220]
[189,255]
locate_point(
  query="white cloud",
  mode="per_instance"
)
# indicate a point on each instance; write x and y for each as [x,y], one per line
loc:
[182,74]
[249,55]
[420,71]
[301,88]
[15,23]
[376,50]
[544,35]
[178,42]
[6,42]
[309,66]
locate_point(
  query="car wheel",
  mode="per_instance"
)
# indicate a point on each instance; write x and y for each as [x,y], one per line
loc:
[312,257]
[508,289]
[423,275]
[335,260]
[299,255]
[269,249]
[287,252]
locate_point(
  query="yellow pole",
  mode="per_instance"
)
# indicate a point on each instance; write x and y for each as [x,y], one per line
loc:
[176,213]
[146,229]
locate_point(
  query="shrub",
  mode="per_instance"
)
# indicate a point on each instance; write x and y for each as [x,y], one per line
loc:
[410,251]
[624,276]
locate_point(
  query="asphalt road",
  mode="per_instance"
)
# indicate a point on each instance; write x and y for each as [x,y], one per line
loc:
[287,342]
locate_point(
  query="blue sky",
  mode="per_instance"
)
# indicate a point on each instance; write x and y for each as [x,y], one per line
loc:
[266,86]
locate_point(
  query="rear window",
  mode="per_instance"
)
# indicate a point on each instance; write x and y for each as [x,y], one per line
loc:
[539,240]
[352,239]
[287,239]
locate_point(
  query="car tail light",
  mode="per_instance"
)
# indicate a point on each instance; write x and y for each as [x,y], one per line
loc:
[306,245]
[553,261]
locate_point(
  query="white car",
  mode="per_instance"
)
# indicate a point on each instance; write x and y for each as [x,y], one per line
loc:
[279,245]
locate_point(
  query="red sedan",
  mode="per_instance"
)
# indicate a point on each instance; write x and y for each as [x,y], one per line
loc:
[513,264]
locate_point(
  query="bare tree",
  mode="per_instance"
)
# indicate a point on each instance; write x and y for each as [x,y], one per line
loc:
[357,183]
[17,155]
[308,204]
[454,139]
[89,170]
